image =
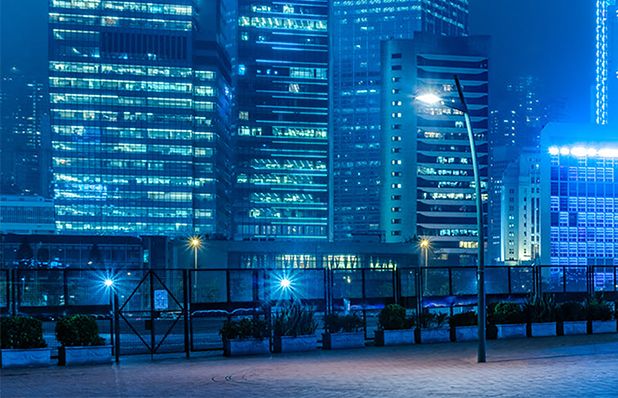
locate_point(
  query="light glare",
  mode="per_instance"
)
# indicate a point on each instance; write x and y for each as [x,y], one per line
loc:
[108,282]
[429,98]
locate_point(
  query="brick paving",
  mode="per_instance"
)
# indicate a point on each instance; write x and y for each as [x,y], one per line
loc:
[578,366]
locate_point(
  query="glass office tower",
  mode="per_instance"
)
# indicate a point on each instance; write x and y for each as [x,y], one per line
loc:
[357,27]
[136,119]
[281,176]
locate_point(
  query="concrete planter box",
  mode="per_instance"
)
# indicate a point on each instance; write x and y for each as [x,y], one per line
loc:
[295,344]
[599,327]
[337,341]
[543,329]
[466,333]
[394,337]
[15,358]
[89,355]
[435,335]
[511,331]
[238,347]
[572,328]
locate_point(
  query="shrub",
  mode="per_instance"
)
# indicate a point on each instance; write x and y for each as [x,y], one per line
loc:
[294,320]
[430,319]
[335,323]
[21,332]
[464,319]
[78,330]
[508,313]
[540,309]
[571,311]
[393,317]
[244,328]
[598,309]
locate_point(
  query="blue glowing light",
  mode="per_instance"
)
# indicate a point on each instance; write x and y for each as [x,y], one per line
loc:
[285,283]
[108,282]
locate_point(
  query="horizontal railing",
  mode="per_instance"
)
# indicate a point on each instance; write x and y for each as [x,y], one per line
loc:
[163,307]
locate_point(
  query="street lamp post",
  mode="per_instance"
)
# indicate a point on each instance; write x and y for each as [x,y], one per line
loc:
[195,243]
[434,99]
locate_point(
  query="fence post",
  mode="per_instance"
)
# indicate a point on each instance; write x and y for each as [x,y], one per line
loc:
[13,275]
[185,311]
[65,289]
[152,315]
[116,311]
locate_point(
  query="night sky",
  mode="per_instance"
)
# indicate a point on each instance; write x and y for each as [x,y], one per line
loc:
[550,39]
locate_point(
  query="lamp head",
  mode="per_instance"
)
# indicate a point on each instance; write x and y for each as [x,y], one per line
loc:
[429,98]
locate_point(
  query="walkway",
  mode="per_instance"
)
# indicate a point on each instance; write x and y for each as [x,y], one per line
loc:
[548,367]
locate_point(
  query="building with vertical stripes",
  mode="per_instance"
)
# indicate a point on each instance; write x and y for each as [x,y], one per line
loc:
[428,186]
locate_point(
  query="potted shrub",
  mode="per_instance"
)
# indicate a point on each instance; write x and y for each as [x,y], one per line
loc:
[434,327]
[80,342]
[464,326]
[343,331]
[541,315]
[572,317]
[247,336]
[294,329]
[599,313]
[394,328]
[22,343]
[510,320]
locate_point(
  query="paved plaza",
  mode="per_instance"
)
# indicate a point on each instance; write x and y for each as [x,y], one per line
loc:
[583,366]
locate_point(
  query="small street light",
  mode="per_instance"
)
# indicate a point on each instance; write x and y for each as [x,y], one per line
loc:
[432,99]
[195,242]
[425,244]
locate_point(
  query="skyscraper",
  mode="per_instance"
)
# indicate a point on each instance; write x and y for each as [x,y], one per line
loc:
[357,27]
[579,195]
[281,176]
[606,40]
[138,117]
[515,123]
[428,185]
[24,136]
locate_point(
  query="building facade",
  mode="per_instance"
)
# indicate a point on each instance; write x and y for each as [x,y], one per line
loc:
[357,28]
[24,136]
[515,123]
[428,189]
[281,141]
[520,209]
[20,214]
[579,195]
[137,119]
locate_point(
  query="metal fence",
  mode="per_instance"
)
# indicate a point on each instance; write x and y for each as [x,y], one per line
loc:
[181,310]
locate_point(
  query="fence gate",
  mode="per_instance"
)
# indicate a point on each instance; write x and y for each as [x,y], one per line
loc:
[150,313]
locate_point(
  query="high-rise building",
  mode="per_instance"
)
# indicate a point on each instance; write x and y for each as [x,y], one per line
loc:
[139,103]
[357,28]
[428,180]
[579,195]
[281,142]
[520,209]
[515,123]
[24,136]
[606,40]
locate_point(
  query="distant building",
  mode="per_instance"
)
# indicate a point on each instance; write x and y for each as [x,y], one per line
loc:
[26,215]
[515,123]
[520,206]
[24,136]
[357,28]
[72,251]
[579,195]
[295,255]
[140,99]
[606,62]
[282,149]
[428,184]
